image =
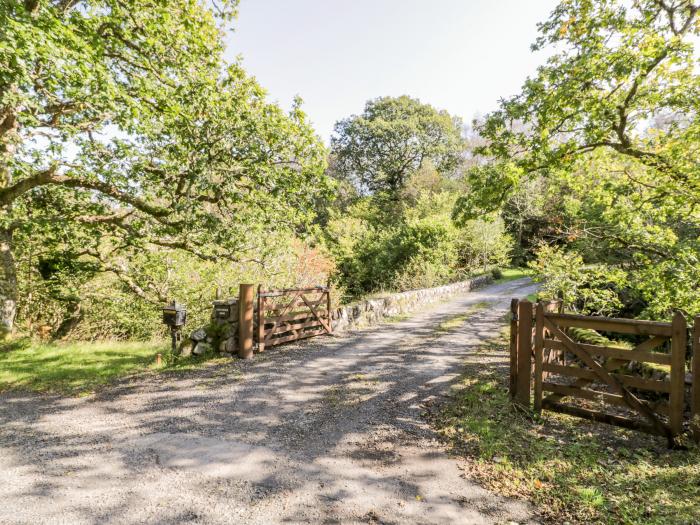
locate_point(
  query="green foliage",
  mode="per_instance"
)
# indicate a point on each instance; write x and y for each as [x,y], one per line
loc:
[622,78]
[104,307]
[380,149]
[125,132]
[591,290]
[422,247]
[602,143]
[400,256]
[484,243]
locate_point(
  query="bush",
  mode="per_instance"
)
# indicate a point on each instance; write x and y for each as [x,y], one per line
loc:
[591,290]
[497,274]
[92,306]
[418,248]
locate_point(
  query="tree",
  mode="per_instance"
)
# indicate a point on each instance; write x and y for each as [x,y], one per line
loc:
[624,79]
[382,147]
[609,213]
[122,129]
[612,122]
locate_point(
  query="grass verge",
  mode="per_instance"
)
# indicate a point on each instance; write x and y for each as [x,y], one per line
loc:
[570,469]
[458,320]
[80,367]
[511,274]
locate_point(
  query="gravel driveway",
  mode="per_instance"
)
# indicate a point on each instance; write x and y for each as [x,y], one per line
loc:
[327,431]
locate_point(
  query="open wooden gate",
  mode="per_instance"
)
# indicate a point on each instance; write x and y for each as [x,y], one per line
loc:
[612,384]
[292,314]
[565,368]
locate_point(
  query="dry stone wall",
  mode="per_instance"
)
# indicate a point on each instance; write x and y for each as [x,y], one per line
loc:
[372,311]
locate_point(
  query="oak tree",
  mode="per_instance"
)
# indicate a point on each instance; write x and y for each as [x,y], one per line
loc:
[379,149]
[623,78]
[611,121]
[122,129]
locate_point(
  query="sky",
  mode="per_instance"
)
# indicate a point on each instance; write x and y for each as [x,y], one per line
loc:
[457,55]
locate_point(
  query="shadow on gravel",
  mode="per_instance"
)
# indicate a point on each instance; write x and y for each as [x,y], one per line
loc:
[328,418]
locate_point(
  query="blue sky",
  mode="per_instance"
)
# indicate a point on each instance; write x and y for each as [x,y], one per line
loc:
[458,55]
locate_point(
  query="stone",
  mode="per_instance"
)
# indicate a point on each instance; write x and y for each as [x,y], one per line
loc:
[201,348]
[185,348]
[374,311]
[228,346]
[198,335]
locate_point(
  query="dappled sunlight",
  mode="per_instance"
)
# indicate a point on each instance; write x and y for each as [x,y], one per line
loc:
[333,424]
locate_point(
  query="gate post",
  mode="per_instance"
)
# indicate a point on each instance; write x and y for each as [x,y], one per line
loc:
[679,340]
[245,321]
[695,388]
[328,307]
[261,320]
[524,353]
[539,354]
[513,383]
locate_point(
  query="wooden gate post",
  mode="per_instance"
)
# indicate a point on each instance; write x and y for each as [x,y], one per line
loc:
[328,307]
[679,341]
[695,388]
[539,354]
[524,353]
[245,321]
[513,384]
[261,320]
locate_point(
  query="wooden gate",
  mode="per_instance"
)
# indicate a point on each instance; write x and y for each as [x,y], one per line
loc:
[593,381]
[292,314]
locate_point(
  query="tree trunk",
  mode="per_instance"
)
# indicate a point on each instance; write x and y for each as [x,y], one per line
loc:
[9,138]
[70,321]
[8,284]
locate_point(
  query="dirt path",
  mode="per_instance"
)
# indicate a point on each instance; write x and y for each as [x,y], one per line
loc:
[324,432]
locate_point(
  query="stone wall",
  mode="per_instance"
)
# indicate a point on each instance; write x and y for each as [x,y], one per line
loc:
[373,311]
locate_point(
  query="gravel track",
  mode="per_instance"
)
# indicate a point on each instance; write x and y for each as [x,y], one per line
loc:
[326,431]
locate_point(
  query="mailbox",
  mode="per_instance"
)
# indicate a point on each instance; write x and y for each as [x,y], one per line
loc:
[225,310]
[174,315]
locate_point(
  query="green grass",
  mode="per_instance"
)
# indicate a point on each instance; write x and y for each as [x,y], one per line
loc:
[80,367]
[510,274]
[396,318]
[458,320]
[571,470]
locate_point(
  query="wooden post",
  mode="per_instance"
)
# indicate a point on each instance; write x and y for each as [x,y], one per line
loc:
[513,385]
[695,392]
[539,351]
[245,321]
[261,320]
[328,307]
[524,353]
[678,348]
